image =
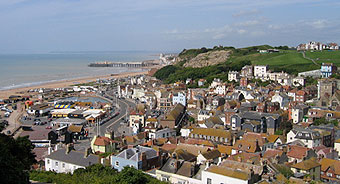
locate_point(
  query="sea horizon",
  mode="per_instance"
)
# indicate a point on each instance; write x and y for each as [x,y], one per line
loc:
[25,70]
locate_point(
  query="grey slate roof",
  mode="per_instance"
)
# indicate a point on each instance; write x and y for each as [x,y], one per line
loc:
[134,153]
[74,157]
[253,115]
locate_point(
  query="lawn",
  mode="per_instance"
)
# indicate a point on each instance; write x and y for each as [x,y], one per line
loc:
[325,56]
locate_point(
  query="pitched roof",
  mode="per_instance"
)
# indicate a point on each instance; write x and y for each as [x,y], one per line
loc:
[211,154]
[306,164]
[330,163]
[74,157]
[247,146]
[103,141]
[296,151]
[74,128]
[224,149]
[229,172]
[212,132]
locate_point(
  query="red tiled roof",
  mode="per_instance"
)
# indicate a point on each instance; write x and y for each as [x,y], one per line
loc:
[297,151]
[103,141]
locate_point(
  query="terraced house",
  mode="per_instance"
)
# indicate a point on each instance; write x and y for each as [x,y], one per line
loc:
[216,135]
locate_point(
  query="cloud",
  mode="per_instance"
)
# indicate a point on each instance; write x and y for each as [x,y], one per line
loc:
[318,24]
[244,13]
[248,23]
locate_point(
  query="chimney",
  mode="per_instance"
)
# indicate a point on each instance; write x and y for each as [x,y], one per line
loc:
[49,150]
[239,159]
[219,161]
[87,152]
[68,149]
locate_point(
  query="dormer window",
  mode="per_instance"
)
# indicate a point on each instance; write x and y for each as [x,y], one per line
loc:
[248,147]
[240,145]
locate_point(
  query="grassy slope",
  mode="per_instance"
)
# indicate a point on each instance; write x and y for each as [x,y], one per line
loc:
[287,60]
[325,56]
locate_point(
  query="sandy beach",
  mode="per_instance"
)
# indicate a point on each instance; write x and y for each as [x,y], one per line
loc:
[65,83]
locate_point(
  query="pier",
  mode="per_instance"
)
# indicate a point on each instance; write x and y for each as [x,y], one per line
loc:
[120,64]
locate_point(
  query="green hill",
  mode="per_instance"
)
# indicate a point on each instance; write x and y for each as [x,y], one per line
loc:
[289,61]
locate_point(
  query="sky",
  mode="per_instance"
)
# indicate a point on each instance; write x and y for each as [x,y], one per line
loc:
[39,26]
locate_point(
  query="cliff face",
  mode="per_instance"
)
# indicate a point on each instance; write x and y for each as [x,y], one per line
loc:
[207,59]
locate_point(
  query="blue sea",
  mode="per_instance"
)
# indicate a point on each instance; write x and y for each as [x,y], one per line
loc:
[23,70]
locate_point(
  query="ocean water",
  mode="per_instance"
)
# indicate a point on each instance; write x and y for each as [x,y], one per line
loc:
[22,70]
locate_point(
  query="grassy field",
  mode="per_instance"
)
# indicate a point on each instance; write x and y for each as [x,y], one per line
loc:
[289,61]
[325,56]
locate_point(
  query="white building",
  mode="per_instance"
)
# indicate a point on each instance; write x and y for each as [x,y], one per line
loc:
[67,161]
[203,114]
[309,138]
[299,81]
[163,133]
[281,98]
[179,98]
[218,175]
[220,89]
[297,115]
[233,76]
[260,71]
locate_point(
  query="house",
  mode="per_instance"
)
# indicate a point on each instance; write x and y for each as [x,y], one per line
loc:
[179,171]
[307,137]
[327,69]
[68,160]
[298,81]
[217,174]
[142,158]
[296,153]
[260,71]
[243,145]
[330,170]
[233,76]
[307,167]
[174,118]
[247,71]
[179,98]
[220,90]
[100,144]
[137,120]
[162,133]
[211,156]
[255,122]
[201,82]
[203,114]
[216,135]
[281,98]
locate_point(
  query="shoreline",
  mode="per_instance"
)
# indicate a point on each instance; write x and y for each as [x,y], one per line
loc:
[68,82]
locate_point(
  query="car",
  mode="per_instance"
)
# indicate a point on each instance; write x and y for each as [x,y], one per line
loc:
[48,127]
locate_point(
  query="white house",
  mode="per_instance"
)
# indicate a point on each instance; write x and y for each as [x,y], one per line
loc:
[203,114]
[163,133]
[298,81]
[233,76]
[297,115]
[309,138]
[218,175]
[260,71]
[220,89]
[179,98]
[67,160]
[281,98]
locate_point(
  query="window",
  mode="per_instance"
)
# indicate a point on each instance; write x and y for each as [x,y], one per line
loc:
[56,163]
[48,161]
[117,163]
[209,181]
[338,176]
[63,165]
[322,172]
[329,174]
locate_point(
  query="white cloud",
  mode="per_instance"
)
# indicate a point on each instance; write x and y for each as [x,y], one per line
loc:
[248,23]
[318,24]
[243,13]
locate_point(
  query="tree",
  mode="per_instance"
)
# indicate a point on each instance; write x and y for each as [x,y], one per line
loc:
[16,159]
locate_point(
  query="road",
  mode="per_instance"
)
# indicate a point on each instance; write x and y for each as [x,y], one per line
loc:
[113,124]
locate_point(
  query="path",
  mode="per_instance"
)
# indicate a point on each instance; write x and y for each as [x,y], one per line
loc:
[304,56]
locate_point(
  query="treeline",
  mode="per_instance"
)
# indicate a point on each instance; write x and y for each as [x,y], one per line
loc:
[95,174]
[172,73]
